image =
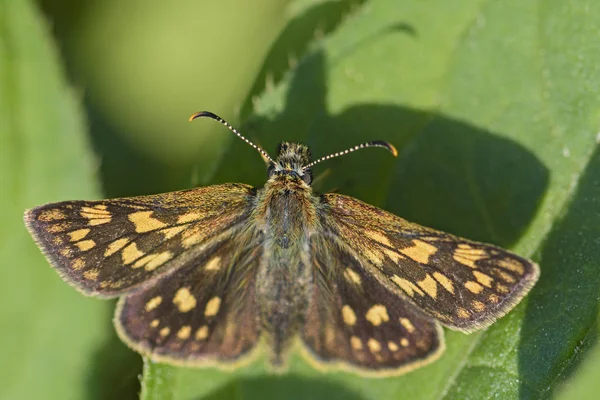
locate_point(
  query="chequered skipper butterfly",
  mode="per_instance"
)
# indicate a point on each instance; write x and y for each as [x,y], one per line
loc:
[209,276]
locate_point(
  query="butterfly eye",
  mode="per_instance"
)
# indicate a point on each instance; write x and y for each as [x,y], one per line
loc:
[307,177]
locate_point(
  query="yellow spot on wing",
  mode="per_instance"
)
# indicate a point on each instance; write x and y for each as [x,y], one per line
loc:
[202,333]
[351,276]
[395,257]
[96,211]
[407,286]
[184,300]
[462,313]
[405,322]
[171,232]
[131,253]
[473,287]
[95,216]
[478,306]
[115,246]
[153,303]
[189,217]
[144,222]
[60,227]
[184,332]
[444,281]
[348,315]
[153,261]
[392,346]
[404,342]
[378,237]
[512,265]
[374,345]
[164,331]
[212,307]
[482,278]
[420,251]
[429,286]
[192,238]
[467,255]
[356,343]
[377,315]
[154,323]
[86,245]
[66,252]
[78,234]
[214,264]
[91,274]
[77,264]
[51,215]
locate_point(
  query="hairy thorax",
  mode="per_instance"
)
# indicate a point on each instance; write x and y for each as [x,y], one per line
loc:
[284,279]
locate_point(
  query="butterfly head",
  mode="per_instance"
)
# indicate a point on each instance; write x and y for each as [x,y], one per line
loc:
[291,162]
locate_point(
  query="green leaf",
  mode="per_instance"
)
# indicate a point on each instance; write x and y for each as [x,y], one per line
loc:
[494,107]
[53,340]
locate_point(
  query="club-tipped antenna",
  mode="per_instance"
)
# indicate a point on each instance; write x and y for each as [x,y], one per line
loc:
[210,115]
[375,143]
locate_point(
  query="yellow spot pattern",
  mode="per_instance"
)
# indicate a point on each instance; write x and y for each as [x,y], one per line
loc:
[171,232]
[153,303]
[184,300]
[78,234]
[144,222]
[420,251]
[473,287]
[351,276]
[164,331]
[212,307]
[51,215]
[214,264]
[512,265]
[407,286]
[184,332]
[484,279]
[91,274]
[153,261]
[374,345]
[115,246]
[429,286]
[189,217]
[95,215]
[348,315]
[392,346]
[377,315]
[85,245]
[131,253]
[405,322]
[201,333]
[378,237]
[356,343]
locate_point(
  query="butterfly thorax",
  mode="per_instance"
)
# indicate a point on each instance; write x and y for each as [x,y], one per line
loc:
[288,218]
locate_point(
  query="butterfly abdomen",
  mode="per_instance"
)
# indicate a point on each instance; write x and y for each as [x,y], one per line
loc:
[284,280]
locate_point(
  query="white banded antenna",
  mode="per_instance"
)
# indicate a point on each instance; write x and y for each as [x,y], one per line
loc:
[210,115]
[374,143]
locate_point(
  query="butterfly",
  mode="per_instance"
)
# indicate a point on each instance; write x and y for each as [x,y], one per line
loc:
[216,275]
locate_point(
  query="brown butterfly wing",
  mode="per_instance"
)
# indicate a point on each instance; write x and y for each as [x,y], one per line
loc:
[464,284]
[111,247]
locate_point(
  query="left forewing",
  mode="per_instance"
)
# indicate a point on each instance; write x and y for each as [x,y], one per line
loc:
[111,247]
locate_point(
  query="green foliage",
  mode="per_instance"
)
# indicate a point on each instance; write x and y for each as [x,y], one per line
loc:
[494,107]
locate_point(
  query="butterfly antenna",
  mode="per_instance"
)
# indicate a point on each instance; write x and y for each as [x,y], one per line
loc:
[210,115]
[375,143]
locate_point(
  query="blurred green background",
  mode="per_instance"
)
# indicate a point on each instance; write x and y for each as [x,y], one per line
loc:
[494,107]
